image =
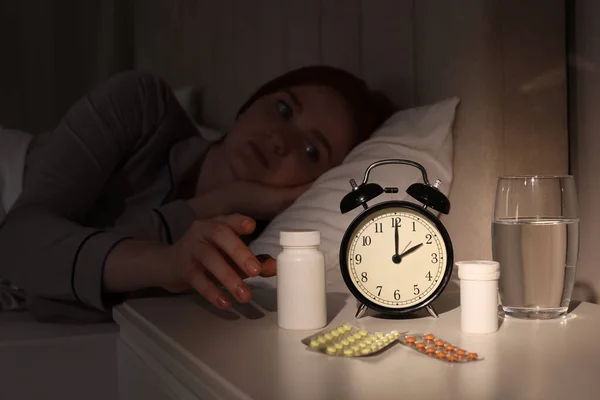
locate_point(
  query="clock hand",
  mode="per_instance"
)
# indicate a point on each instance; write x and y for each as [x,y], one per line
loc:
[396,239]
[396,258]
[415,247]
[408,244]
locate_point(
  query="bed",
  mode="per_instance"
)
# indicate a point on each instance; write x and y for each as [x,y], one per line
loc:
[505,60]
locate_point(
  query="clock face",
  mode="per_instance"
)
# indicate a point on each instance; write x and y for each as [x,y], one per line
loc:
[397,257]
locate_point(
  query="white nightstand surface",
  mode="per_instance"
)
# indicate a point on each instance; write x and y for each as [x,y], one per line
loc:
[244,355]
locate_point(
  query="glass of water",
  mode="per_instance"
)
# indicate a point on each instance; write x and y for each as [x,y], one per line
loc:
[535,238]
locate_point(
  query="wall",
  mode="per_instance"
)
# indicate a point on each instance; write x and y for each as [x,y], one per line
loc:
[584,116]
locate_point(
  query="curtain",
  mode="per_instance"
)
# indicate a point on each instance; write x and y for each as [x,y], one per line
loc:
[53,51]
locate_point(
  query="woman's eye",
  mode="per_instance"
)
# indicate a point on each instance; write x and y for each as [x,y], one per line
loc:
[313,153]
[285,110]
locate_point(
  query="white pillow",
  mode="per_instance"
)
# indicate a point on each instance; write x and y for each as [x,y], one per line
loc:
[422,134]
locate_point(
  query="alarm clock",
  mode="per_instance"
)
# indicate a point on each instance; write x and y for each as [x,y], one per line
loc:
[396,257]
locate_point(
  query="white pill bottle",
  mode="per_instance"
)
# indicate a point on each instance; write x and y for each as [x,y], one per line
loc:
[301,291]
[479,295]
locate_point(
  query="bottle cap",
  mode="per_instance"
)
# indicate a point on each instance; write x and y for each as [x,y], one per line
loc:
[479,270]
[299,237]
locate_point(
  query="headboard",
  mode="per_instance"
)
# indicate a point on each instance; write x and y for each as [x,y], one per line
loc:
[505,60]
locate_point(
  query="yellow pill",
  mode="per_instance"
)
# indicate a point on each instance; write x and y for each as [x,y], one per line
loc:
[345,342]
[346,327]
[314,344]
[366,350]
[355,348]
[362,344]
[322,339]
[357,336]
[331,350]
[335,333]
[363,333]
[348,352]
[351,339]
[338,346]
[395,335]
[379,335]
[386,339]
[328,336]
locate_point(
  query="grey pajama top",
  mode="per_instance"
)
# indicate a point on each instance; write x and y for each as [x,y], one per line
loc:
[110,170]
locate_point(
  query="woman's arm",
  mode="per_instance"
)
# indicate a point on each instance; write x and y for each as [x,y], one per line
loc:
[45,248]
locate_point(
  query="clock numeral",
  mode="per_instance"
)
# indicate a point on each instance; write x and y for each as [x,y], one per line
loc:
[396,222]
[397,294]
[358,259]
[428,237]
[379,293]
[428,276]
[414,227]
[366,240]
[363,277]
[434,258]
[416,290]
[379,227]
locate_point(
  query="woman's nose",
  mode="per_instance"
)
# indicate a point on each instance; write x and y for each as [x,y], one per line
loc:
[278,142]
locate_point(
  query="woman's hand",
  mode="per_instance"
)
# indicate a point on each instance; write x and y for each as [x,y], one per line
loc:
[210,254]
[255,200]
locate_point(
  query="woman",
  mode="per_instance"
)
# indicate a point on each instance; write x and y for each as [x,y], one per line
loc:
[125,196]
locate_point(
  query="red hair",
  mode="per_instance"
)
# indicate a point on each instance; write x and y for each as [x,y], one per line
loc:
[369,108]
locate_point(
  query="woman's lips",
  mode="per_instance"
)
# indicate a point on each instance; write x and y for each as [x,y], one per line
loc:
[259,155]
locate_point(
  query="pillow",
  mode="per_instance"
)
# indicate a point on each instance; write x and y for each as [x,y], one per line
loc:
[422,134]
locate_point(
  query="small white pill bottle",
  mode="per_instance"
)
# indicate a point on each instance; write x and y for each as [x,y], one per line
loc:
[301,291]
[478,295]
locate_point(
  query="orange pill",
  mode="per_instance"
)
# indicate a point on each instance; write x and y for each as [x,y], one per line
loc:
[420,345]
[472,356]
[430,350]
[461,352]
[452,358]
[410,339]
[429,336]
[441,354]
[439,343]
[449,347]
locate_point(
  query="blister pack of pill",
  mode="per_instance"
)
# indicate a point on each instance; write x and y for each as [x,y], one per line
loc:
[436,347]
[345,340]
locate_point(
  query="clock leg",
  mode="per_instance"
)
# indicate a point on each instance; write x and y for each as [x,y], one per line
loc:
[432,311]
[361,310]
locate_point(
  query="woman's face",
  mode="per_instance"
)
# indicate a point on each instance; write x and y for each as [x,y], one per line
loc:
[290,137]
